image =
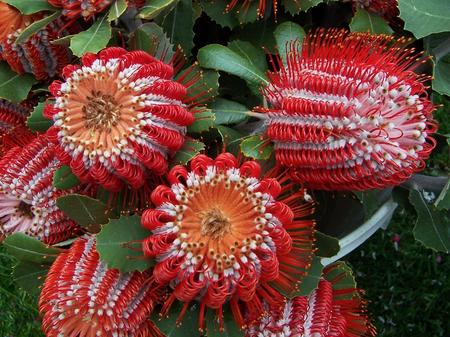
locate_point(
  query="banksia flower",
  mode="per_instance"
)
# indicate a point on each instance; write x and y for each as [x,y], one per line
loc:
[329,311]
[13,130]
[73,9]
[82,297]
[27,197]
[37,55]
[221,233]
[118,117]
[348,112]
[245,4]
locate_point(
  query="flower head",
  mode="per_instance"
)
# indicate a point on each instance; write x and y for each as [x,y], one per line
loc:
[27,197]
[118,117]
[37,55]
[82,297]
[329,311]
[73,9]
[222,233]
[348,112]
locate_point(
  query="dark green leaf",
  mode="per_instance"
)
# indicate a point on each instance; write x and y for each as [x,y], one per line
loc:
[292,6]
[190,149]
[35,27]
[30,276]
[215,10]
[432,228]
[151,38]
[285,33]
[25,248]
[443,201]
[206,82]
[30,6]
[423,18]
[369,200]
[231,139]
[169,326]
[155,7]
[117,9]
[204,121]
[119,244]
[341,275]
[438,45]
[363,21]
[14,87]
[257,147]
[307,4]
[228,112]
[309,283]
[230,327]
[259,33]
[86,211]
[178,25]
[327,246]
[255,56]
[92,40]
[64,178]
[36,121]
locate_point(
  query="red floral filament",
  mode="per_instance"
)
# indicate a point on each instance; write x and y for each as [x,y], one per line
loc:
[348,112]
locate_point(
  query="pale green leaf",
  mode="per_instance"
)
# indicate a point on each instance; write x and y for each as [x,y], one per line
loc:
[92,40]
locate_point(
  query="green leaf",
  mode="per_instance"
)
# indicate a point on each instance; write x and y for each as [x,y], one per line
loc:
[117,9]
[292,7]
[228,112]
[206,82]
[26,248]
[257,147]
[155,7]
[443,201]
[14,87]
[151,38]
[204,121]
[327,246]
[215,10]
[307,4]
[179,24]
[341,275]
[169,325]
[438,45]
[92,40]
[190,149]
[85,211]
[64,179]
[119,244]
[30,276]
[259,33]
[231,139]
[369,200]
[255,56]
[230,327]
[35,27]
[218,57]
[311,280]
[432,228]
[423,18]
[36,121]
[363,21]
[30,6]
[285,33]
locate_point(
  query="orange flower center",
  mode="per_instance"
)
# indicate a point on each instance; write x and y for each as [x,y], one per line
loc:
[101,112]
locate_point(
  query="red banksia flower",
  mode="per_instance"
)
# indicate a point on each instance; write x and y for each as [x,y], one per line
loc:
[73,9]
[348,112]
[81,297]
[118,117]
[222,233]
[27,196]
[329,311]
[37,55]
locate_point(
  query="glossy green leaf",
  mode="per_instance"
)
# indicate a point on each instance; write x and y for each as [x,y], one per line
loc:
[30,6]
[432,228]
[309,283]
[228,112]
[363,21]
[86,211]
[151,38]
[93,39]
[179,24]
[257,147]
[155,7]
[438,45]
[190,149]
[423,18]
[30,276]
[169,325]
[26,248]
[35,27]
[286,33]
[117,9]
[119,244]
[14,87]
[215,10]
[443,200]
[218,57]
[231,139]
[204,121]
[327,246]
[64,178]
[36,121]
[255,56]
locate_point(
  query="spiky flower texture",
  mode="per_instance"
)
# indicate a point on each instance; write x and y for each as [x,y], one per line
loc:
[348,112]
[81,297]
[118,117]
[222,233]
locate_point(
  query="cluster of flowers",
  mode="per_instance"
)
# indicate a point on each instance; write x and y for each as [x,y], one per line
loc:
[345,113]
